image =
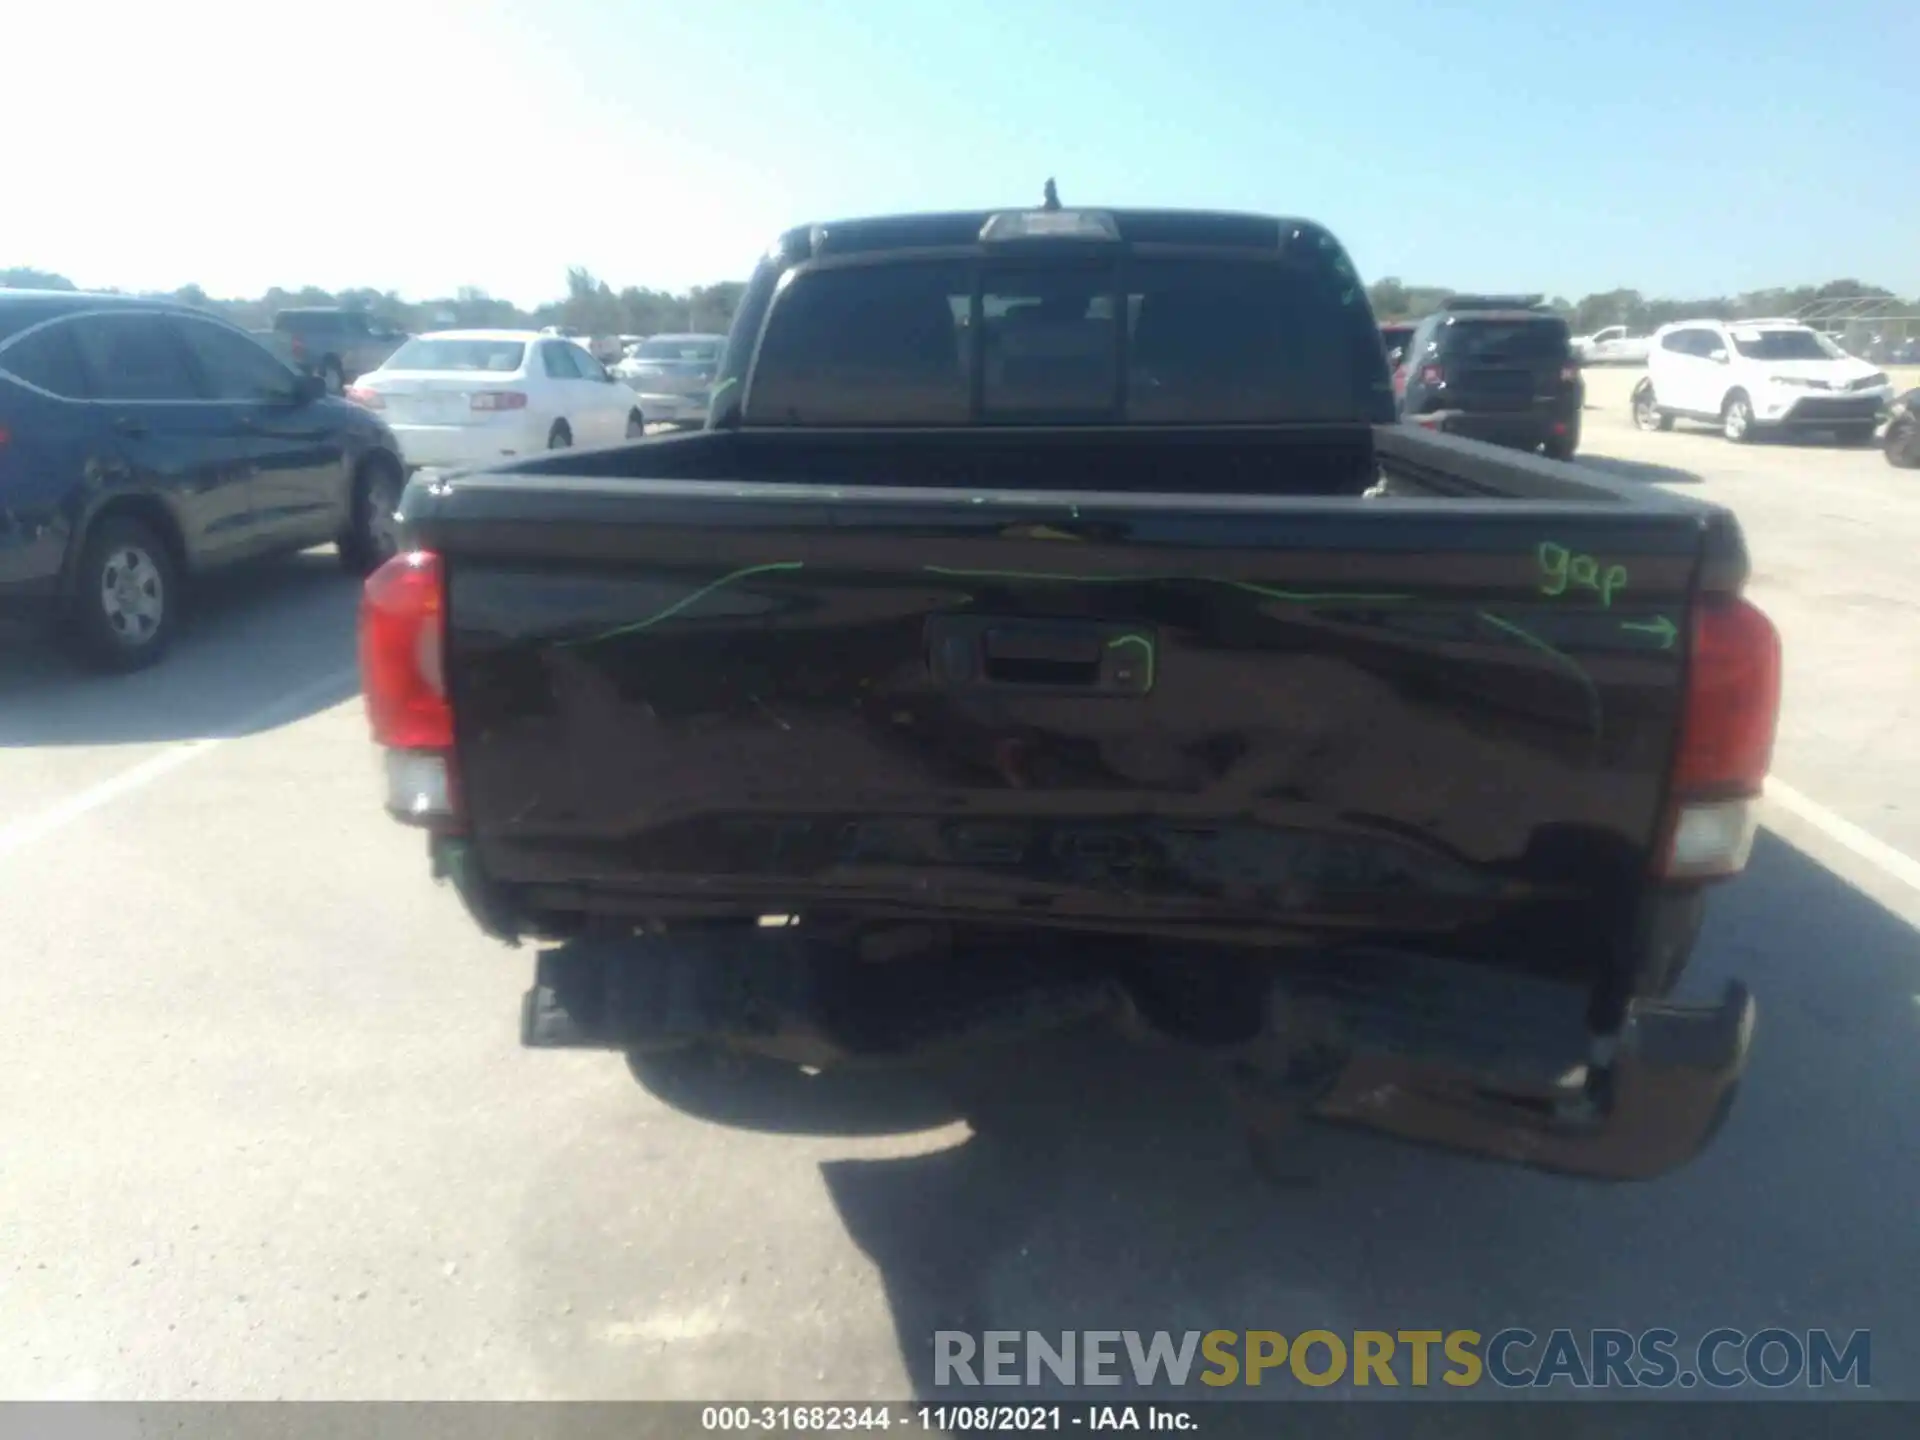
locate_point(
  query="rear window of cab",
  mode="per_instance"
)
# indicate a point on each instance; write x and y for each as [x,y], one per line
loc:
[1158,340]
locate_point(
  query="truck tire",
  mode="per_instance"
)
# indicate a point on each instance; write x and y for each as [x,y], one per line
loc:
[756,1092]
[126,596]
[1736,418]
[560,437]
[1647,415]
[636,425]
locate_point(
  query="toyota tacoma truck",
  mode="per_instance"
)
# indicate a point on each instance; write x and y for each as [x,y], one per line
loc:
[1052,623]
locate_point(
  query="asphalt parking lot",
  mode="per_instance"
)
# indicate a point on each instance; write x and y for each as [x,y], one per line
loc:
[267,1131]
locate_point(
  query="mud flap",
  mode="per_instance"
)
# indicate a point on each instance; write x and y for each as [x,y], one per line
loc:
[1649,1108]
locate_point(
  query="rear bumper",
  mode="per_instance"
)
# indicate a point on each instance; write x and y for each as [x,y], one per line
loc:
[1524,429]
[448,446]
[1669,1082]
[670,409]
[1814,411]
[1440,1053]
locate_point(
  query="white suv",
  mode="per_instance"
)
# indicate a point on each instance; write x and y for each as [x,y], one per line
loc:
[1751,375]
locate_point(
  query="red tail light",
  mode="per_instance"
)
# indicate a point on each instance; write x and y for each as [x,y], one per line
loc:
[1433,375]
[1733,700]
[361,395]
[499,400]
[1726,740]
[298,347]
[402,672]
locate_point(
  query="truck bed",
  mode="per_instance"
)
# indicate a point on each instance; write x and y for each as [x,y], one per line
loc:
[1309,688]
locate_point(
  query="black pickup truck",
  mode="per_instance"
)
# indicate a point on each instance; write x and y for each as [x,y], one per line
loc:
[1053,622]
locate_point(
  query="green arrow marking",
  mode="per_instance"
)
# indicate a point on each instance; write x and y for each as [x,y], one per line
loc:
[1660,625]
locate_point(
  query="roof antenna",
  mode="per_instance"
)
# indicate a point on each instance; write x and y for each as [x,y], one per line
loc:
[1051,201]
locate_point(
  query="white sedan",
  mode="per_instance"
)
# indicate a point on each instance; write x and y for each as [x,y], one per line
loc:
[477,397]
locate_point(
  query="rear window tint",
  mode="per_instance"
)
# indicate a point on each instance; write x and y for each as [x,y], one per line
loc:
[1249,342]
[1049,347]
[1504,339]
[872,345]
[1205,341]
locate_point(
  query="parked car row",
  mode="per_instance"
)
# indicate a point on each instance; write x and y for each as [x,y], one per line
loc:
[1502,368]
[143,443]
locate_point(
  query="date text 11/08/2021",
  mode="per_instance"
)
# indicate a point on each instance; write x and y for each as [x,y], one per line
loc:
[945,1419]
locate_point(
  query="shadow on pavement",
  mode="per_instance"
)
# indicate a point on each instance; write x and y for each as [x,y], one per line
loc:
[265,645]
[1109,1187]
[1639,470]
[1821,440]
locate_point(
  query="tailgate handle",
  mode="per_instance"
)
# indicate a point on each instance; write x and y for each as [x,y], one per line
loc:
[973,651]
[1043,655]
[1054,655]
[1046,645]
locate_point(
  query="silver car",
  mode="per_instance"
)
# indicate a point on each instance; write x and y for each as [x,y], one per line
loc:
[673,376]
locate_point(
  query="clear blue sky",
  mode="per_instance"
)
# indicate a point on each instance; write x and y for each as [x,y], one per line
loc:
[1684,147]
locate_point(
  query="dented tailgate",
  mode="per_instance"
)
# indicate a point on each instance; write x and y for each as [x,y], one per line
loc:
[1444,722]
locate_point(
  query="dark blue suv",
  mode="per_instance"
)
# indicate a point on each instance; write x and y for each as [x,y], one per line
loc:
[143,443]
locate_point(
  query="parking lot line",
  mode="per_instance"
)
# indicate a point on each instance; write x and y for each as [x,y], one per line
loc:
[1875,852]
[21,833]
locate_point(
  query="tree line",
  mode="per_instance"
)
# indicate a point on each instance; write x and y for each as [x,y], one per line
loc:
[590,305]
[1394,299]
[596,308]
